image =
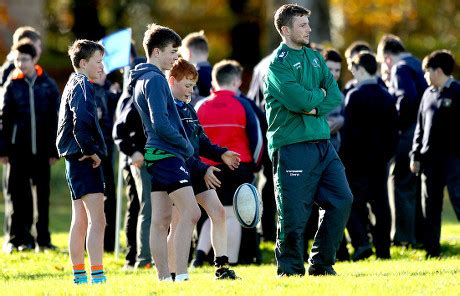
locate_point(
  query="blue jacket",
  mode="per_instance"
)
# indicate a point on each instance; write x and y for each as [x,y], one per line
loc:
[202,146]
[155,104]
[407,85]
[28,115]
[78,128]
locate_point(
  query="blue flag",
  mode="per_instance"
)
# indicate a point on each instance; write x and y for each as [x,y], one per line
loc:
[117,50]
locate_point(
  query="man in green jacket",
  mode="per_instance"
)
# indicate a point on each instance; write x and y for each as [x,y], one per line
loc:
[300,92]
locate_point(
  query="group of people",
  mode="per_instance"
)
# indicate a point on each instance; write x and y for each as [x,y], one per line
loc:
[189,138]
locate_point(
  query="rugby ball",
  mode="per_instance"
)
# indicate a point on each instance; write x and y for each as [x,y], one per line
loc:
[247,205]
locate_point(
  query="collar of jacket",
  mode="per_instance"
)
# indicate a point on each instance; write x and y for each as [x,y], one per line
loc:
[17,74]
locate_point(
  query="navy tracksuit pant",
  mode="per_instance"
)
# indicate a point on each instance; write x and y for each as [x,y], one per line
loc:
[307,173]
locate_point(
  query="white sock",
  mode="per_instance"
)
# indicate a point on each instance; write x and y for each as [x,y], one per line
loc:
[182,277]
[168,279]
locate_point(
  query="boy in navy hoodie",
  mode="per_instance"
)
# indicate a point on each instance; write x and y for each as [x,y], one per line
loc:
[436,150]
[81,143]
[166,151]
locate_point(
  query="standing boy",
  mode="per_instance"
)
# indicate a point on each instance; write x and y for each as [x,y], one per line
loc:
[28,117]
[80,141]
[300,92]
[371,121]
[435,152]
[166,151]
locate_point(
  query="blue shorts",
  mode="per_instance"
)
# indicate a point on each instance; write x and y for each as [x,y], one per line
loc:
[82,178]
[169,174]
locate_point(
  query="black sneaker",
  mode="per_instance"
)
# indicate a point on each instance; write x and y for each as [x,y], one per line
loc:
[224,273]
[321,270]
[362,253]
[45,248]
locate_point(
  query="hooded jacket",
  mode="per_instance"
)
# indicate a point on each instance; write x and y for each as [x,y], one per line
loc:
[78,128]
[155,104]
[28,115]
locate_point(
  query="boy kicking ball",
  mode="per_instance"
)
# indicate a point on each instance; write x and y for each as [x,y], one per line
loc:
[80,142]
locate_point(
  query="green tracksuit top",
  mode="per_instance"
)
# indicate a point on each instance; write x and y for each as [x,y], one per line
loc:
[293,86]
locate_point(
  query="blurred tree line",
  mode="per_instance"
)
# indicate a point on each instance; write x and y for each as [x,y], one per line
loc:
[243,29]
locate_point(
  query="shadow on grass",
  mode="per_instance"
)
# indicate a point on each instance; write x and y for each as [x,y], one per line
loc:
[31,277]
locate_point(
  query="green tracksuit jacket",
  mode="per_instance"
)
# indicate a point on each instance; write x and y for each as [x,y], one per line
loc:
[293,86]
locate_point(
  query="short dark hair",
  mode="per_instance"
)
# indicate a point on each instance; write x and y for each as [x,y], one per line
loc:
[196,42]
[366,59]
[160,37]
[442,59]
[389,44]
[225,71]
[26,32]
[83,49]
[356,47]
[332,55]
[25,46]
[286,13]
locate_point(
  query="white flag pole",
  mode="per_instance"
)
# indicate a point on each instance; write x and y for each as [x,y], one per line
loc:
[121,159]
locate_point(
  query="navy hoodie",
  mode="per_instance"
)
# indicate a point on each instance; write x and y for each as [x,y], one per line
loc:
[407,85]
[155,103]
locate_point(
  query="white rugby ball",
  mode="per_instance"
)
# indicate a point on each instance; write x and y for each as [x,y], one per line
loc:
[247,205]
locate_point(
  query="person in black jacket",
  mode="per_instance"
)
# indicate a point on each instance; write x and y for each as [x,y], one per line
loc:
[369,141]
[436,148]
[28,117]
[182,79]
[407,85]
[81,142]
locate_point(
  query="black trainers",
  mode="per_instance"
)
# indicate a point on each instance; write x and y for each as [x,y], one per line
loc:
[45,248]
[321,270]
[224,273]
[362,253]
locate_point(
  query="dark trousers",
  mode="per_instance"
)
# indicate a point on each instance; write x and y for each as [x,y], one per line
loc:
[23,175]
[132,213]
[268,198]
[307,173]
[437,172]
[371,187]
[402,191]
[110,203]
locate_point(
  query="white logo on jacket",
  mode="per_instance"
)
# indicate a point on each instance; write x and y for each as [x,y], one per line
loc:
[315,63]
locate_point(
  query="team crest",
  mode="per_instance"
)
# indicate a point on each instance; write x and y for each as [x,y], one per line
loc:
[315,63]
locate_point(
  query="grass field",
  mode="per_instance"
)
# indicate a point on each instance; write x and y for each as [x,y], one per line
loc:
[408,273]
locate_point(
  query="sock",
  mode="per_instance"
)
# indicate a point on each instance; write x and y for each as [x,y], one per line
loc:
[173,275]
[182,277]
[200,256]
[97,274]
[79,274]
[220,261]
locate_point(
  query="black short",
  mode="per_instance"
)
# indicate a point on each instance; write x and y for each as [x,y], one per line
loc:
[231,180]
[198,184]
[169,174]
[82,178]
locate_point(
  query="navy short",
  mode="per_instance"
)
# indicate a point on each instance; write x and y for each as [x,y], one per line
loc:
[198,184]
[231,180]
[168,174]
[82,178]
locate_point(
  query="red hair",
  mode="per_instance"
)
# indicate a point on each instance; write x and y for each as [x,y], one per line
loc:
[183,69]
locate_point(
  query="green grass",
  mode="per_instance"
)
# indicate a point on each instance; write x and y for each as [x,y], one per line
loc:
[408,273]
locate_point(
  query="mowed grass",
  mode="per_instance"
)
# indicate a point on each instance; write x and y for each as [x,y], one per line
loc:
[408,273]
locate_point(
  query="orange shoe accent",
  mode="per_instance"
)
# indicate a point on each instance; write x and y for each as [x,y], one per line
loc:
[97,267]
[79,266]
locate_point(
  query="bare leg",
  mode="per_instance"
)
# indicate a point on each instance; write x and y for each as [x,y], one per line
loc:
[189,213]
[234,235]
[161,218]
[172,233]
[215,210]
[94,205]
[77,235]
